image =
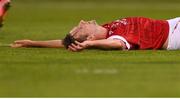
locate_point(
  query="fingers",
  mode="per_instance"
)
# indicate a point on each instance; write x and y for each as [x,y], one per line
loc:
[72,49]
[78,43]
[16,45]
[19,41]
[75,48]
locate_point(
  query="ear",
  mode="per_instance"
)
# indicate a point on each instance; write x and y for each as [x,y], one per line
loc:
[91,37]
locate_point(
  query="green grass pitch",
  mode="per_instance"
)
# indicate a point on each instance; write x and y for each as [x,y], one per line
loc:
[38,72]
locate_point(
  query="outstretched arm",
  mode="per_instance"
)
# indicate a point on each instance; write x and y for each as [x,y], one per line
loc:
[45,44]
[101,44]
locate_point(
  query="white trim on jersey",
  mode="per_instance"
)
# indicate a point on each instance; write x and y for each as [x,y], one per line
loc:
[120,38]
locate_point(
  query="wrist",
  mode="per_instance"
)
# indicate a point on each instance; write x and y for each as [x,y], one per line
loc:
[31,43]
[89,44]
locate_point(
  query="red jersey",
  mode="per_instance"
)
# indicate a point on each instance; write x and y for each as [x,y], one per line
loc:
[140,32]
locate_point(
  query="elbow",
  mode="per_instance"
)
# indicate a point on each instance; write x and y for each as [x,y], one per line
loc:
[116,44]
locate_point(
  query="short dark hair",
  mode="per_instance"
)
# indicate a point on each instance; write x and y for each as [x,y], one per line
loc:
[68,40]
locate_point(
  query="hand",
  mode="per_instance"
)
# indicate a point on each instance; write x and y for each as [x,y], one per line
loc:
[21,43]
[79,46]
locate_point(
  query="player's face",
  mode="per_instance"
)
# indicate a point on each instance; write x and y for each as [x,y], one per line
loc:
[85,29]
[89,28]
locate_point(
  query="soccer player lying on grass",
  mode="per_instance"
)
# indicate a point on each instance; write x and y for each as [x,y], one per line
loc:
[132,33]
